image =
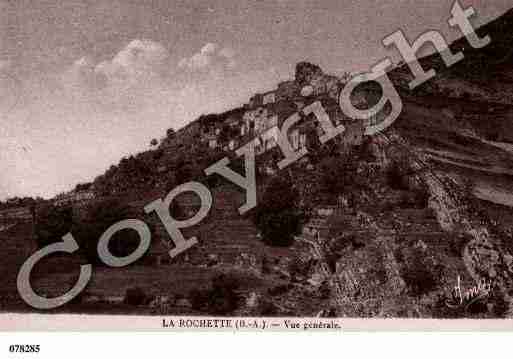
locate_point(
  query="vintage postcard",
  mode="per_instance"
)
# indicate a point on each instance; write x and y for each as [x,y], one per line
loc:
[256,165]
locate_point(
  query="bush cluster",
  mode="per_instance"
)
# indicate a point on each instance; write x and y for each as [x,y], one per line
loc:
[278,216]
[221,299]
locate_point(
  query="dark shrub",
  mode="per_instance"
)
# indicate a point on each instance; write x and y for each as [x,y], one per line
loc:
[222,298]
[99,217]
[420,275]
[199,299]
[135,296]
[339,172]
[420,281]
[395,177]
[266,265]
[279,290]
[333,174]
[422,196]
[52,222]
[324,290]
[278,216]
[299,267]
[267,308]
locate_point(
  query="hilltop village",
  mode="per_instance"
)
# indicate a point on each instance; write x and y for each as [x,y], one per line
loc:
[212,135]
[261,118]
[182,155]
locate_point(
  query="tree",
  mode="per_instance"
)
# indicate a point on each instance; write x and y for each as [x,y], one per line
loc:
[184,172]
[332,171]
[83,186]
[99,217]
[278,215]
[221,299]
[52,222]
[337,172]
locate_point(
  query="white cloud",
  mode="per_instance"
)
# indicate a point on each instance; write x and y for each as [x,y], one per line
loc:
[138,60]
[138,65]
[209,48]
[80,77]
[227,52]
[127,81]
[210,55]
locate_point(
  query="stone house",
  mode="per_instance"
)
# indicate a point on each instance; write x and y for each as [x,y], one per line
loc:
[269,97]
[269,138]
[189,134]
[210,138]
[294,138]
[326,211]
[84,195]
[248,121]
[233,122]
[258,120]
[316,228]
[354,133]
[233,144]
[333,87]
[212,142]
[74,197]
[243,130]
[307,91]
[318,85]
[287,90]
[299,104]
[302,140]
[298,135]
[255,101]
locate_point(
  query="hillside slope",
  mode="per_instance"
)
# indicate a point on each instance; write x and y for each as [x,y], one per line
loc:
[393,220]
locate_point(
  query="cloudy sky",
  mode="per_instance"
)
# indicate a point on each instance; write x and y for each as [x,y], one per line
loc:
[85,82]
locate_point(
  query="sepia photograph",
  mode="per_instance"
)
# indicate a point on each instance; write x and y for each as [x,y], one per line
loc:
[255,165]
